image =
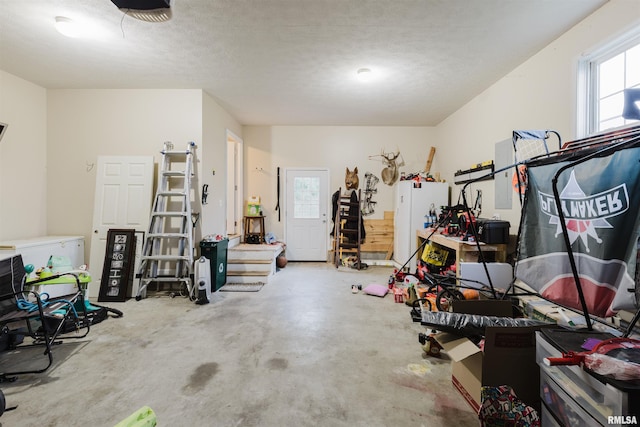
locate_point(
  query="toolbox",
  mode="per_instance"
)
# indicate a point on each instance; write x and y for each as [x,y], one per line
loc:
[493,231]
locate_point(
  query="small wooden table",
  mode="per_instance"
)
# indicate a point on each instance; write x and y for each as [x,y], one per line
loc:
[254,226]
[461,248]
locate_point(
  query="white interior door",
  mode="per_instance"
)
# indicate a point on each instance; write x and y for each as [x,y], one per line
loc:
[124,187]
[234,183]
[307,214]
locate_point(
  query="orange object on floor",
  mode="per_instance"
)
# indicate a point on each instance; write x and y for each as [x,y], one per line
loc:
[470,294]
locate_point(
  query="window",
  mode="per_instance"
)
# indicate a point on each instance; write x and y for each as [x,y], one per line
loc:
[605,74]
[306,194]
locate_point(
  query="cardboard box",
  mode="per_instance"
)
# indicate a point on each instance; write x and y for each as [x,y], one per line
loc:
[547,311]
[539,309]
[253,206]
[253,209]
[509,357]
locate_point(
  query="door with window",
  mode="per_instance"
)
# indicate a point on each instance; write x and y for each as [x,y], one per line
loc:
[307,214]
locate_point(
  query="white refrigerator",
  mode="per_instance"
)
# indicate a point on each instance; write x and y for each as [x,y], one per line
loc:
[413,202]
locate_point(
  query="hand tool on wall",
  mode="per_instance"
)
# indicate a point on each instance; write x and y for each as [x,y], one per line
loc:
[205,193]
[278,196]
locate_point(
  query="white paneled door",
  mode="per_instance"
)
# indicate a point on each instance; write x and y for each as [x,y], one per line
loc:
[124,187]
[307,214]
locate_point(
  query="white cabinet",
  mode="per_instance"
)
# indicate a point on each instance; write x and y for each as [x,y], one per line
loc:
[413,201]
[37,250]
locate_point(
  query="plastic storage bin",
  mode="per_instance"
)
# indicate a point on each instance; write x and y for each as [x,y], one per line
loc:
[596,395]
[547,419]
[565,408]
[216,252]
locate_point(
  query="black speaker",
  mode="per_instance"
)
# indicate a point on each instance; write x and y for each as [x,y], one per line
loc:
[253,239]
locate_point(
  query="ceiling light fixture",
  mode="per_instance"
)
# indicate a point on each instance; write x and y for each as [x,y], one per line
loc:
[67,26]
[145,10]
[364,74]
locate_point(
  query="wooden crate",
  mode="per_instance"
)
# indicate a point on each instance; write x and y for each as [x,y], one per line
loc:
[379,235]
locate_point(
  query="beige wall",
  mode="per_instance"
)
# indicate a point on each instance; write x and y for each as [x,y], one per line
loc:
[57,136]
[23,159]
[216,121]
[332,147]
[85,124]
[539,94]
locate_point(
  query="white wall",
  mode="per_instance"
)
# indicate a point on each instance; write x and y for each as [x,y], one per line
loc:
[215,123]
[332,147]
[85,124]
[23,156]
[539,94]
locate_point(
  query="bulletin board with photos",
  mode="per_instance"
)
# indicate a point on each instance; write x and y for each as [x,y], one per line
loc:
[117,272]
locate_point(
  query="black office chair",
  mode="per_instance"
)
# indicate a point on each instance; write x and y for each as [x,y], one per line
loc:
[31,319]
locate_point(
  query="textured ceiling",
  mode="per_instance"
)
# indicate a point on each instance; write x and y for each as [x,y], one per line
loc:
[292,62]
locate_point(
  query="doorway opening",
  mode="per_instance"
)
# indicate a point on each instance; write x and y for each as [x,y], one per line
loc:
[234,184]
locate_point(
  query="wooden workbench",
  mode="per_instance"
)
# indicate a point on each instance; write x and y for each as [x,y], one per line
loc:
[462,249]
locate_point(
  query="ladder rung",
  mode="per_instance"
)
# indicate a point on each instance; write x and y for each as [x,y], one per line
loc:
[174,173]
[165,257]
[347,217]
[350,250]
[176,152]
[169,214]
[165,279]
[171,193]
[169,235]
[349,245]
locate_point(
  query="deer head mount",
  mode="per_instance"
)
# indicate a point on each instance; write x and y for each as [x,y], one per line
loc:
[351,180]
[391,171]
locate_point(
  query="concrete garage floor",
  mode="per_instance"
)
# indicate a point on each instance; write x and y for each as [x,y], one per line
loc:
[303,351]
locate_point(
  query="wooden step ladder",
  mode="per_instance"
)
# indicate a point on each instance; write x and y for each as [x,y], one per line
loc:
[167,254]
[348,228]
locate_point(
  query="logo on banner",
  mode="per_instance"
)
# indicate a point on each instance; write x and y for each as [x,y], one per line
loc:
[584,213]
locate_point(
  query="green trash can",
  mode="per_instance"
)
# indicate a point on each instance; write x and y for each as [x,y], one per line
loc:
[216,252]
